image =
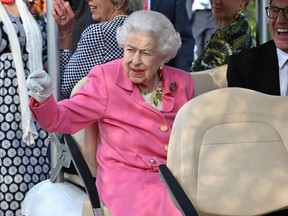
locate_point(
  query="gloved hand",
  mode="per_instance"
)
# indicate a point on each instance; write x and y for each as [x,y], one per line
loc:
[39,85]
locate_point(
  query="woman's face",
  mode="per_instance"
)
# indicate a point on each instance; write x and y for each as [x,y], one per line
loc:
[225,10]
[102,10]
[142,60]
[278,27]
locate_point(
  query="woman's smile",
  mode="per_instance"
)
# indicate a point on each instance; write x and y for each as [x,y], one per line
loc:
[137,72]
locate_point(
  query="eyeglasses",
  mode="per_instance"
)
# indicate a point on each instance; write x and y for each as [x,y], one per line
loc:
[273,12]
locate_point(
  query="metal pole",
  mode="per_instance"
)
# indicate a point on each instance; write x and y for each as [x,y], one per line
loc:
[261,22]
[53,70]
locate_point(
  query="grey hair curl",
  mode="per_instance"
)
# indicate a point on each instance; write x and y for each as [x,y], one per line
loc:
[154,24]
[130,6]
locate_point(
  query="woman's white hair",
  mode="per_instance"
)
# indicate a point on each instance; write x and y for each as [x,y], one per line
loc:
[153,24]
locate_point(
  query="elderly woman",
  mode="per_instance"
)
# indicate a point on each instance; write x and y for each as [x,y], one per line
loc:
[134,100]
[234,34]
[97,44]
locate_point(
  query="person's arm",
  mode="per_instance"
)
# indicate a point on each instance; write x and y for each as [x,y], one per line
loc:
[67,116]
[64,16]
[89,52]
[234,78]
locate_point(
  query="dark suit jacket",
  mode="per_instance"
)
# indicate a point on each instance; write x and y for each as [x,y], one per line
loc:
[80,20]
[176,12]
[255,69]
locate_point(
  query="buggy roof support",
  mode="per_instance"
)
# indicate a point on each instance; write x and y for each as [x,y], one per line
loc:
[54,72]
[261,22]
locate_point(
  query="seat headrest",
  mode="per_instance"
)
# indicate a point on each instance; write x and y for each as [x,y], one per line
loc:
[210,79]
[228,150]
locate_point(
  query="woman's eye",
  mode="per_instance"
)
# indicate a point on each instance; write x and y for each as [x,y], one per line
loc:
[129,50]
[147,53]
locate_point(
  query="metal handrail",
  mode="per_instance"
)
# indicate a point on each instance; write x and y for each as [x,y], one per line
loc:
[54,72]
[261,22]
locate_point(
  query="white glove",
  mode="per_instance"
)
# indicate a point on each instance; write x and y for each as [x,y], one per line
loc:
[39,85]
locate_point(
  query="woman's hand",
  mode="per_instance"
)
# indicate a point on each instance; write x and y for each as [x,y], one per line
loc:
[39,85]
[64,17]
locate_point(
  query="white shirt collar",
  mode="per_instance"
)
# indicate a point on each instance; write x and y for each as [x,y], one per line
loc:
[282,57]
[283,72]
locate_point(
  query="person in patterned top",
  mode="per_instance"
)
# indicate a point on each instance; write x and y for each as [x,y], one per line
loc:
[23,151]
[234,34]
[97,44]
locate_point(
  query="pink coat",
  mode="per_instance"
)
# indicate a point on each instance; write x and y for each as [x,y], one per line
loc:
[133,135]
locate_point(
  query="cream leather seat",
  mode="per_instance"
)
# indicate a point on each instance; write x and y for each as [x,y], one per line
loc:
[229,153]
[209,80]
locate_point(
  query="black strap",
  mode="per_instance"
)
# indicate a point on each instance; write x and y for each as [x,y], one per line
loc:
[283,212]
[83,171]
[180,197]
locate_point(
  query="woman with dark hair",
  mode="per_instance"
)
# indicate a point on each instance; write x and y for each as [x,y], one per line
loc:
[233,35]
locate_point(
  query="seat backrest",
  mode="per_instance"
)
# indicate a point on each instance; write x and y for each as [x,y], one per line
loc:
[87,138]
[211,79]
[229,152]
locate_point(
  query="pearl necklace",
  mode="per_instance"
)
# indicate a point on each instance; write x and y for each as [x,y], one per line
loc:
[151,100]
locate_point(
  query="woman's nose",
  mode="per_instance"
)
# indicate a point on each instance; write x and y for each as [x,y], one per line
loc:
[136,59]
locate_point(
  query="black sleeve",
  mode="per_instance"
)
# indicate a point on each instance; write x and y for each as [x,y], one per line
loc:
[234,77]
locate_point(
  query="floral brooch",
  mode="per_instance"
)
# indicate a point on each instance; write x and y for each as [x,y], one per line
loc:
[173,86]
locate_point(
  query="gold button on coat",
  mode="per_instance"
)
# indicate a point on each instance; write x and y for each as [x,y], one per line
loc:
[152,161]
[164,128]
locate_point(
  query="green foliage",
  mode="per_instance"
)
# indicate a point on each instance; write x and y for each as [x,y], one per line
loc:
[251,13]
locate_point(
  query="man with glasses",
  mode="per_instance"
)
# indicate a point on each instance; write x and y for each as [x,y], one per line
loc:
[265,67]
